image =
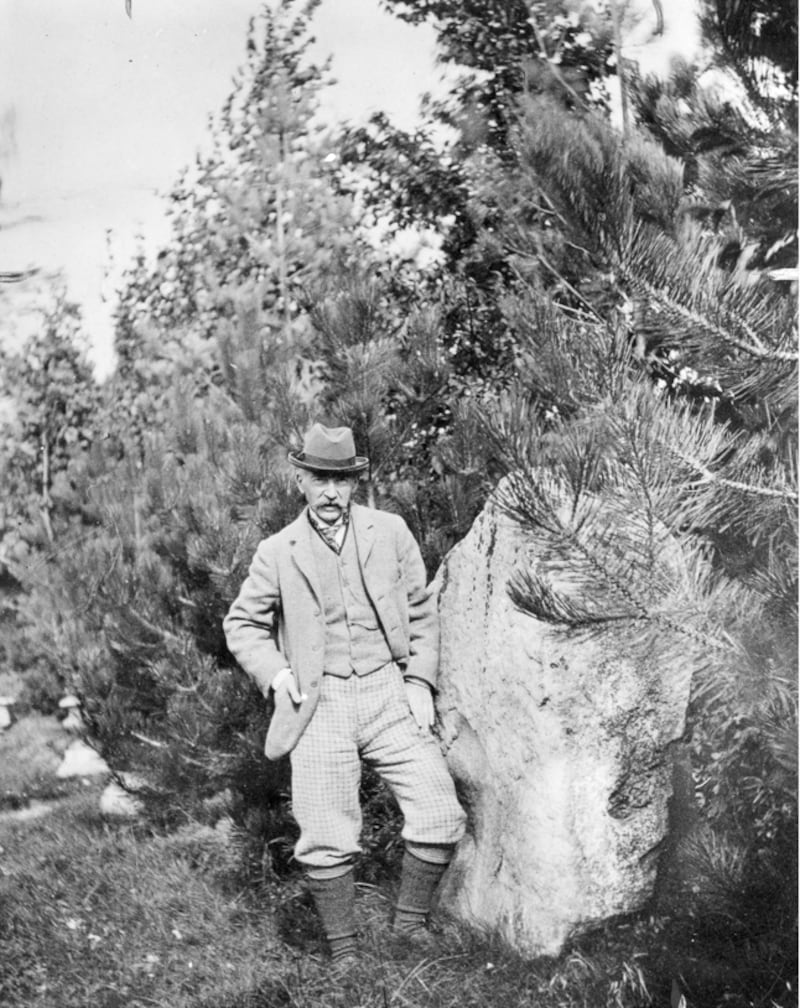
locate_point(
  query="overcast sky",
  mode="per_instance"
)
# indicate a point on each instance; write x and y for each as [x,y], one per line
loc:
[109,109]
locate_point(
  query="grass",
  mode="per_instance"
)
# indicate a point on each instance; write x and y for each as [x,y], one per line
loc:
[30,752]
[101,915]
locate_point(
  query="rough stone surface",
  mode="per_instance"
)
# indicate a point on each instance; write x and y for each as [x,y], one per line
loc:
[561,748]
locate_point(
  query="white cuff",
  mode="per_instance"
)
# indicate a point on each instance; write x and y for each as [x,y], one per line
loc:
[279,677]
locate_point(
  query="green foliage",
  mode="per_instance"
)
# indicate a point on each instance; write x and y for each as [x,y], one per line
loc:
[557,52]
[740,167]
[150,589]
[669,519]
[215,378]
[51,405]
[253,224]
[389,376]
[207,398]
[757,38]
[42,686]
[50,422]
[561,48]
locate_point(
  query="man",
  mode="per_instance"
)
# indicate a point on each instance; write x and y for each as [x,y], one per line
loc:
[336,624]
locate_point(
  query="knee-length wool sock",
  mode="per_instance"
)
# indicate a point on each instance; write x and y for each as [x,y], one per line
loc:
[418,882]
[335,902]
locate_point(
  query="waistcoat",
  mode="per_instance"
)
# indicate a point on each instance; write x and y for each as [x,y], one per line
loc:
[354,638]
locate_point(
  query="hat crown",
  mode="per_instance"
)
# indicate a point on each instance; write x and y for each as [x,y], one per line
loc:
[329,449]
[333,443]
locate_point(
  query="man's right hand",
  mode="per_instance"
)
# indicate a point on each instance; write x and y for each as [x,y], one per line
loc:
[285,680]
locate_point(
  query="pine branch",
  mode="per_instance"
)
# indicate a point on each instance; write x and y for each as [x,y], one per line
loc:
[553,67]
[711,477]
[754,347]
[534,596]
[536,511]
[159,633]
[600,507]
[541,258]
[154,743]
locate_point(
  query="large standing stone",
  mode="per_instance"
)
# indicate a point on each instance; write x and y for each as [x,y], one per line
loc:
[560,745]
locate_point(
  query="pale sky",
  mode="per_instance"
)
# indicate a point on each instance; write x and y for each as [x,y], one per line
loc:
[109,109]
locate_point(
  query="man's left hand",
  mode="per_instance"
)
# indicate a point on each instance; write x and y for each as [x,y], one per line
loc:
[420,700]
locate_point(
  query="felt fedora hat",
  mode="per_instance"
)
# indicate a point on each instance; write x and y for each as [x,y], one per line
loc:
[329,449]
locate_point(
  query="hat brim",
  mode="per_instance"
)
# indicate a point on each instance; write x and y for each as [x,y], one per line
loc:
[346,468]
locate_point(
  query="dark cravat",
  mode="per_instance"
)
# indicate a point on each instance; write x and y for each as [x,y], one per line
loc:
[330,533]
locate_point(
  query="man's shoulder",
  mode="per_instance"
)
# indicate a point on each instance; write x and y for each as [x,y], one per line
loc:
[387,526]
[375,516]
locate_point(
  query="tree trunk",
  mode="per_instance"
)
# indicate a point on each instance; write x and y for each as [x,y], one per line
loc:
[623,90]
[47,504]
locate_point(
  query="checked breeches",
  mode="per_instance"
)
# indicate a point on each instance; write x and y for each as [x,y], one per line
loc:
[367,717]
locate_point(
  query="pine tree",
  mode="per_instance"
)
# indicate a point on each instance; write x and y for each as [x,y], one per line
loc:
[49,422]
[51,404]
[207,398]
[758,40]
[388,375]
[254,223]
[506,48]
[161,694]
[216,376]
[739,162]
[651,453]
[559,52]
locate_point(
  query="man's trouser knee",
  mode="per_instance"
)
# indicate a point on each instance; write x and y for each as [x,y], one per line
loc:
[367,717]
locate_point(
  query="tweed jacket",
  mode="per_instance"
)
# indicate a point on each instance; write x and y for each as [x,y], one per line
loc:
[277,619]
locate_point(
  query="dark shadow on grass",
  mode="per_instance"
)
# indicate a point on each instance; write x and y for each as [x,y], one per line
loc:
[298,925]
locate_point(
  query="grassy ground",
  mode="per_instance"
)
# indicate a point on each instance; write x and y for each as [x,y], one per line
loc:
[100,915]
[30,752]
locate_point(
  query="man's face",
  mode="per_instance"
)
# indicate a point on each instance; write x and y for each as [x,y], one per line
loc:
[326,493]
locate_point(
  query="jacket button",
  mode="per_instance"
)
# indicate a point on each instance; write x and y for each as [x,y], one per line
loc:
[314,683]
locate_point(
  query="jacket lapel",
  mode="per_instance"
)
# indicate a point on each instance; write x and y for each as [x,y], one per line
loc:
[363,526]
[364,532]
[300,544]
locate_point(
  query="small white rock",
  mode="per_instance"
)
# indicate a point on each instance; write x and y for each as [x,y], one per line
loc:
[80,760]
[73,722]
[6,718]
[117,803]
